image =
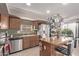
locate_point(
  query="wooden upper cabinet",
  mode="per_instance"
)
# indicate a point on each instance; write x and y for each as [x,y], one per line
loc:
[14,22]
[35,23]
[9,22]
[0,20]
[4,22]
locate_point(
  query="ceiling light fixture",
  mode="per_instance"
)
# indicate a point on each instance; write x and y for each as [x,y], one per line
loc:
[64,3]
[48,11]
[29,4]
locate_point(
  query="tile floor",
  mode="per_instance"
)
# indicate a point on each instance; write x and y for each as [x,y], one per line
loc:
[28,52]
[75,52]
[35,52]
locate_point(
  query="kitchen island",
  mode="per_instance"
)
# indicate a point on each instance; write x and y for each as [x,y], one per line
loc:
[47,47]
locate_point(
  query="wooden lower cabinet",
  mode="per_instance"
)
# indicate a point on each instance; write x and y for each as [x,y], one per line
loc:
[46,49]
[30,41]
[34,40]
[26,42]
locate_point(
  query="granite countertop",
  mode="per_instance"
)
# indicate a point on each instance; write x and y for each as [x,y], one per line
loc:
[20,37]
[28,35]
[57,41]
[1,45]
[17,38]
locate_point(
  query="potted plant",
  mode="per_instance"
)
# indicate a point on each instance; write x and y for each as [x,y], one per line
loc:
[67,32]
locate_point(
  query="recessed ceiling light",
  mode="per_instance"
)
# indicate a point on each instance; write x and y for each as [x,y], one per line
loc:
[29,4]
[48,11]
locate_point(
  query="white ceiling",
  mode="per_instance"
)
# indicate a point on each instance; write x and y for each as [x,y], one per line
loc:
[37,11]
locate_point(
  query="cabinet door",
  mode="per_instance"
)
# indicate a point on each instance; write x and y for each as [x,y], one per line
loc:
[0,20]
[35,24]
[34,41]
[15,23]
[37,40]
[26,42]
[4,21]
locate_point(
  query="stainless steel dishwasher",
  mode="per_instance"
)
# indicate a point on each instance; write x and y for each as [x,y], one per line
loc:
[16,45]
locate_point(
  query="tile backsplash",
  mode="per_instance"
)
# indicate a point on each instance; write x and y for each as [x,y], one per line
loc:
[10,31]
[16,32]
[25,28]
